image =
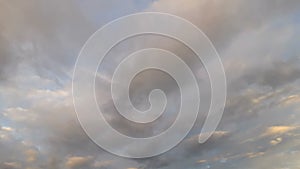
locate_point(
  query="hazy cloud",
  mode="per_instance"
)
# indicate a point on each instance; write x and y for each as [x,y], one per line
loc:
[39,42]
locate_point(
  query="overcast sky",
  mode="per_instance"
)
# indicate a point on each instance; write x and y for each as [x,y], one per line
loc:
[258,42]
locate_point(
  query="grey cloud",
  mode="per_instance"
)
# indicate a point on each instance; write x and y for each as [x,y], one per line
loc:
[46,37]
[267,69]
[278,74]
[223,20]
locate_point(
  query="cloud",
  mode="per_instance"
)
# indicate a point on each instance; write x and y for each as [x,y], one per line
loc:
[78,162]
[292,99]
[31,155]
[102,164]
[201,161]
[276,141]
[278,130]
[216,134]
[10,165]
[221,20]
[39,43]
[7,129]
[43,42]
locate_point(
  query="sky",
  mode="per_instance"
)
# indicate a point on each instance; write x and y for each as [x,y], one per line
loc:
[257,42]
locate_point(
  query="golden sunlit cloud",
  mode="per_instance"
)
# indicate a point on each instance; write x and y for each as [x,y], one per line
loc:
[277,130]
[201,161]
[76,161]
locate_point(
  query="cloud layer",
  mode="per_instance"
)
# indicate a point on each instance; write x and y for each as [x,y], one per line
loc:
[258,44]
